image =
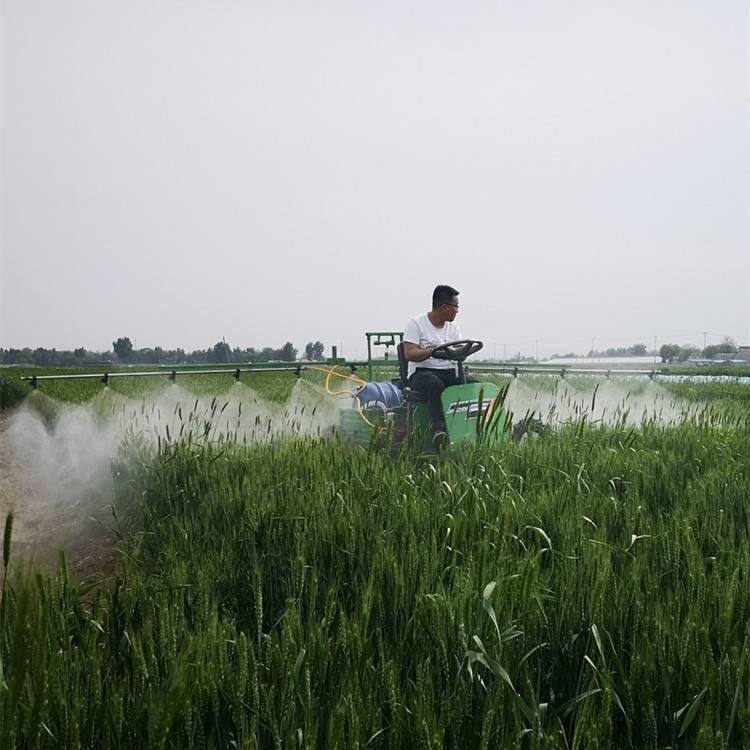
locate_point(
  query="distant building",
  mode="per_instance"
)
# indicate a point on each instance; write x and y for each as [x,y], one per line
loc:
[740,357]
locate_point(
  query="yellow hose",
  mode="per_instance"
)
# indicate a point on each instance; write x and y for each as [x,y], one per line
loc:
[332,371]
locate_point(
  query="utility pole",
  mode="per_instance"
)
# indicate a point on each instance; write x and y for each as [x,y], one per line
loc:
[705,339]
[537,350]
[656,351]
[494,350]
[505,352]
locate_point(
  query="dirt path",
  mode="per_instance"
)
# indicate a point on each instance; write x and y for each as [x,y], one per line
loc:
[14,490]
[40,532]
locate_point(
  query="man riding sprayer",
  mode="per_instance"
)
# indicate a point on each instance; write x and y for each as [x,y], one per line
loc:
[427,374]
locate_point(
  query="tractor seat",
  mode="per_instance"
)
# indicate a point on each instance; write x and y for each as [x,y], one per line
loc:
[403,372]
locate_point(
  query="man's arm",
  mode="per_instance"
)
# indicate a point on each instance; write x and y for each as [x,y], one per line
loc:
[415,353]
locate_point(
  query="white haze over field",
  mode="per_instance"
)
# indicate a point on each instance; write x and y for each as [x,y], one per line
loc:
[179,172]
[57,475]
[604,402]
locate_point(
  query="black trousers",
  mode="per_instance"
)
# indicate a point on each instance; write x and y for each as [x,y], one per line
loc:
[432,382]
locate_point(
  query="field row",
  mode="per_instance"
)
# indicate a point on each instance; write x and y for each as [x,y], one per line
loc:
[584,589]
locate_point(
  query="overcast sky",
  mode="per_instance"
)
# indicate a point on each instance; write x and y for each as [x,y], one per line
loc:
[179,172]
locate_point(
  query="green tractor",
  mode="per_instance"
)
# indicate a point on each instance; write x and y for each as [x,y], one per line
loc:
[396,415]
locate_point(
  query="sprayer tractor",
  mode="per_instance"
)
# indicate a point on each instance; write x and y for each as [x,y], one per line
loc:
[397,415]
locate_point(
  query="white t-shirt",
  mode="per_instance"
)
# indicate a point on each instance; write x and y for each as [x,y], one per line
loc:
[421,332]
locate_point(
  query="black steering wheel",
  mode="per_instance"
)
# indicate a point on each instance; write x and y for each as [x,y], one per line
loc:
[457,351]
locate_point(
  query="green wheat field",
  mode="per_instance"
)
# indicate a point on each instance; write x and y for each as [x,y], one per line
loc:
[584,588]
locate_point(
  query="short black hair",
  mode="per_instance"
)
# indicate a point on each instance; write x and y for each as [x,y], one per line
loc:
[443,295]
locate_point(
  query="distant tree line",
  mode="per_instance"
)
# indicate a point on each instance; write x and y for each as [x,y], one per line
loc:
[668,352]
[677,353]
[637,350]
[123,352]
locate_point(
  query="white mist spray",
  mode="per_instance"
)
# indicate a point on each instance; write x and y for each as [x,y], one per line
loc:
[599,401]
[56,472]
